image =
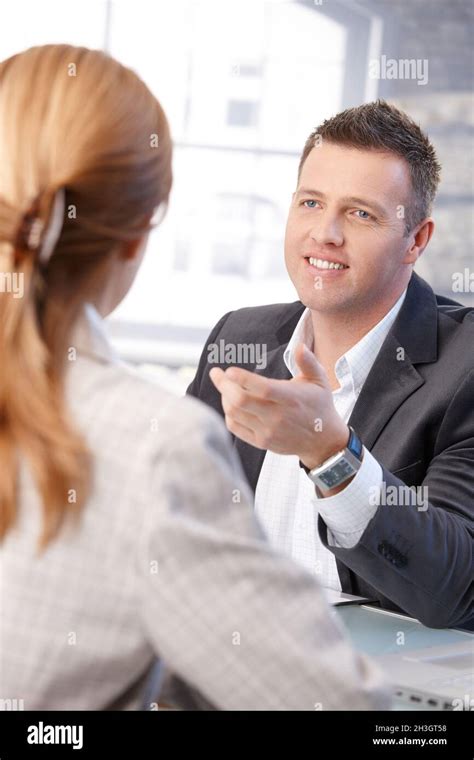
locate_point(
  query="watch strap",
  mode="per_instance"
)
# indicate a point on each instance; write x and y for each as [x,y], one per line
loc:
[354,445]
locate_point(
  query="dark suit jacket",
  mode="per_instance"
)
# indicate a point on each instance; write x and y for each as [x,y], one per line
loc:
[416,416]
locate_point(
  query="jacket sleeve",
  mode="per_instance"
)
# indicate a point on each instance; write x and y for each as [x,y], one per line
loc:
[418,548]
[240,624]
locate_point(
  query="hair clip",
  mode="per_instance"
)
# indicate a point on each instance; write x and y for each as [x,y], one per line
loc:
[33,235]
[28,237]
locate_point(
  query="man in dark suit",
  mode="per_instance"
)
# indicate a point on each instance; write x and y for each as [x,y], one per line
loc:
[362,388]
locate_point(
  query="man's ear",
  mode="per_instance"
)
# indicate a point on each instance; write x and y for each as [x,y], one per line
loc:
[418,240]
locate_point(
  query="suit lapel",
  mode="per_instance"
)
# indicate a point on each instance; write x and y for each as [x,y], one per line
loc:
[388,384]
[393,376]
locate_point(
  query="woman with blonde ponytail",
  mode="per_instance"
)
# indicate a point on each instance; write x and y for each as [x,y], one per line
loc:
[122,542]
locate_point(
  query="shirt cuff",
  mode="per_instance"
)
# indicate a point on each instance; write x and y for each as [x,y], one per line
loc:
[348,513]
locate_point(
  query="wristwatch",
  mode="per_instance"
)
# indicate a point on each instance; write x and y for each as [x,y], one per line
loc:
[339,467]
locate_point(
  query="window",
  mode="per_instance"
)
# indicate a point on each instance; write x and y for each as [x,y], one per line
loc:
[242,113]
[243,84]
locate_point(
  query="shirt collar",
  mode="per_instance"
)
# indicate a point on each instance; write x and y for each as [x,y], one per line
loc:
[353,366]
[89,336]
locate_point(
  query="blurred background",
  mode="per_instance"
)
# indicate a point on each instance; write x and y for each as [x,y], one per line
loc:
[243,84]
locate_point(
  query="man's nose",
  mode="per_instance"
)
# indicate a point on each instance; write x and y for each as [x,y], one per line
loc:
[327,230]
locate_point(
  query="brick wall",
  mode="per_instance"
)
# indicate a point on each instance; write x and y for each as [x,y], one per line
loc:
[440,31]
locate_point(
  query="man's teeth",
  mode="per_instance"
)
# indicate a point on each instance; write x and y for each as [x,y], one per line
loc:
[322,264]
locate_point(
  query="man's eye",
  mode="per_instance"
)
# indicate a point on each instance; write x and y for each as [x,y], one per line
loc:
[363,214]
[308,204]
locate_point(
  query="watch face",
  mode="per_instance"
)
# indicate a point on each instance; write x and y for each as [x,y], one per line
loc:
[337,474]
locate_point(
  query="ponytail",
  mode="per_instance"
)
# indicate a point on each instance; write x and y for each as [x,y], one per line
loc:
[34,424]
[81,132]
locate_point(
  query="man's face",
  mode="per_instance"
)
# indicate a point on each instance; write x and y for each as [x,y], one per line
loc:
[348,209]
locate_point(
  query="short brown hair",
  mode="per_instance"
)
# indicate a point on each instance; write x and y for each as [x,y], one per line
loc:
[380,126]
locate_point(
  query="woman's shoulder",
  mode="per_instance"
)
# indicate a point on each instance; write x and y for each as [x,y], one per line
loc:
[119,402]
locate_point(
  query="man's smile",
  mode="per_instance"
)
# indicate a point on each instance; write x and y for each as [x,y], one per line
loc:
[325,265]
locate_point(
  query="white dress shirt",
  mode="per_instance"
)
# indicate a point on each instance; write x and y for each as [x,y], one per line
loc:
[286,501]
[163,562]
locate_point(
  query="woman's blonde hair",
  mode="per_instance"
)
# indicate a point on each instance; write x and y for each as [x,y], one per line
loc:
[72,121]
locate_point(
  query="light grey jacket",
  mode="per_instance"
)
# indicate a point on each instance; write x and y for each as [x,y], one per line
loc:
[167,561]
